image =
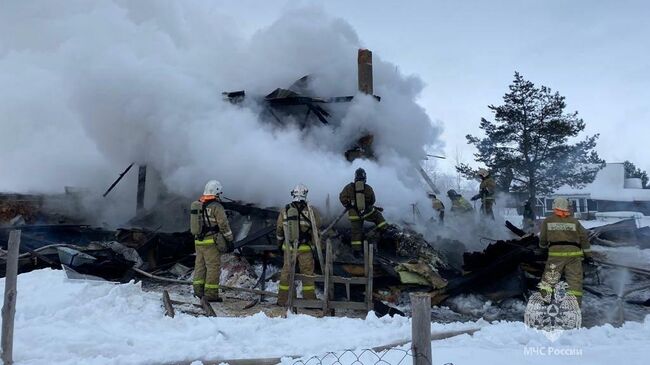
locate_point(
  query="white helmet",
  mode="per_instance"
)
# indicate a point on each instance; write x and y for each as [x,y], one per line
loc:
[561,204]
[212,187]
[299,193]
[483,172]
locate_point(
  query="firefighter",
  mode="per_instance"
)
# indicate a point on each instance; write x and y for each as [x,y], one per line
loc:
[486,193]
[528,222]
[359,200]
[459,205]
[297,223]
[212,237]
[567,244]
[437,206]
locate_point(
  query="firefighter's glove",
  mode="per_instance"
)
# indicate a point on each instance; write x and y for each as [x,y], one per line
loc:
[589,260]
[476,197]
[379,209]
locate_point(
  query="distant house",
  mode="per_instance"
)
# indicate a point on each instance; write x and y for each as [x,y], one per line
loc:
[609,192]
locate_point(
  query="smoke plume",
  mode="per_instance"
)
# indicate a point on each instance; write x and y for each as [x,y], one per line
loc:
[86,88]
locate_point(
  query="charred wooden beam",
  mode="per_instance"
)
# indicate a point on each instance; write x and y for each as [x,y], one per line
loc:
[142,180]
[117,180]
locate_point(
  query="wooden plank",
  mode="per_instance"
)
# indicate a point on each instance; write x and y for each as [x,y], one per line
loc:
[348,305]
[364,62]
[326,286]
[167,302]
[353,280]
[421,328]
[316,238]
[366,273]
[334,279]
[370,276]
[9,306]
[292,271]
[307,303]
[318,278]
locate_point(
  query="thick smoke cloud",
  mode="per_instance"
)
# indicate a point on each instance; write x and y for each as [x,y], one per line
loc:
[88,87]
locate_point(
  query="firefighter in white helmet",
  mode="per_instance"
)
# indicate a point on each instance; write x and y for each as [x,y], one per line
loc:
[296,231]
[212,237]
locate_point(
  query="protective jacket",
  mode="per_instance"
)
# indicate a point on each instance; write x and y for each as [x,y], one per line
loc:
[487,189]
[564,237]
[209,245]
[567,244]
[295,220]
[359,198]
[437,205]
[219,231]
[460,205]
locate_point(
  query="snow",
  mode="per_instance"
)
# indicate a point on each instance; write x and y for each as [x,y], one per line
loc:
[59,321]
[602,219]
[629,255]
[609,184]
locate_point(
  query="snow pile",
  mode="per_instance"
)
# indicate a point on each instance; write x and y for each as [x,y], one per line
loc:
[59,321]
[70,322]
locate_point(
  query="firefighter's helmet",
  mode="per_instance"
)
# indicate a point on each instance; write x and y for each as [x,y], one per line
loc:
[299,193]
[212,187]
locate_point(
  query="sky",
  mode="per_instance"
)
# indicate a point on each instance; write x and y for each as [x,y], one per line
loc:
[595,53]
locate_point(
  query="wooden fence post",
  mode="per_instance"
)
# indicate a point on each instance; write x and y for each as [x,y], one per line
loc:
[421,328]
[9,306]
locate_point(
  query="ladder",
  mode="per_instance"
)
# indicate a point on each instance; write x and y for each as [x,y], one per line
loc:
[327,304]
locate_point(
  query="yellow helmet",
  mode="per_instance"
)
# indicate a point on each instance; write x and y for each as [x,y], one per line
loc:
[483,172]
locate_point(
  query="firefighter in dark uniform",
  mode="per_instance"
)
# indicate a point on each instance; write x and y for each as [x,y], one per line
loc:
[486,193]
[359,200]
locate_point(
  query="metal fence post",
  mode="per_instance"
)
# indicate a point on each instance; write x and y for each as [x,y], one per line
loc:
[9,306]
[421,328]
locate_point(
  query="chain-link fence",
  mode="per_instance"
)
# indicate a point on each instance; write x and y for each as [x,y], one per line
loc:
[393,356]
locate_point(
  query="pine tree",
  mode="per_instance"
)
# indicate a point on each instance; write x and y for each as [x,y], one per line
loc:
[529,142]
[631,171]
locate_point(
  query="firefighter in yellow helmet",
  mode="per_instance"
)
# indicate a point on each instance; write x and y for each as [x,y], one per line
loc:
[568,244]
[212,237]
[359,200]
[297,226]
[486,193]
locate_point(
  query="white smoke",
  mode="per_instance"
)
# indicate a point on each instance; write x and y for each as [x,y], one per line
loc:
[86,88]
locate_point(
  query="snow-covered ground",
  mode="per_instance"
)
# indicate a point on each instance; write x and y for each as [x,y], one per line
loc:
[59,321]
